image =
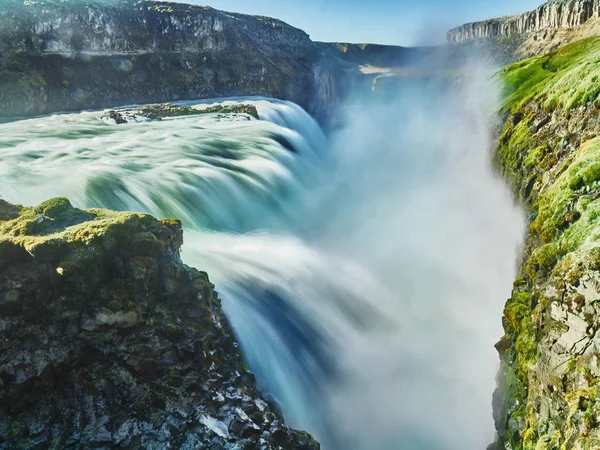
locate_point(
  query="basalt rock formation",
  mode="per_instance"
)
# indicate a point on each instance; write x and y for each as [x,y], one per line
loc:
[551,15]
[108,341]
[553,24]
[76,55]
[60,55]
[549,150]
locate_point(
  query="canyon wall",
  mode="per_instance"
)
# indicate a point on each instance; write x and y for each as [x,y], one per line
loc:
[74,55]
[81,55]
[109,341]
[555,14]
[549,150]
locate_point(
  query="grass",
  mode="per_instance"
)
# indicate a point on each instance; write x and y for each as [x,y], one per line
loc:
[555,173]
[567,215]
[54,229]
[565,78]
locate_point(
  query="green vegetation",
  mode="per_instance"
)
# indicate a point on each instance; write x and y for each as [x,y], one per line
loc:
[55,231]
[567,215]
[549,152]
[565,78]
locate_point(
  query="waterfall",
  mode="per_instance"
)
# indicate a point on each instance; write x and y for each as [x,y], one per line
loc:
[364,273]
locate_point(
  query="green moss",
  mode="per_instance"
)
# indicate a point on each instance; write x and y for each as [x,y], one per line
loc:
[526,350]
[565,78]
[517,309]
[560,188]
[8,211]
[518,314]
[534,157]
[543,259]
[54,229]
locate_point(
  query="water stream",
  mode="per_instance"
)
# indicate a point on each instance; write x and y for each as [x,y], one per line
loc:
[364,272]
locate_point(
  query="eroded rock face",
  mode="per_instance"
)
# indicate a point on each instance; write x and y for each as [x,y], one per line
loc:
[74,55]
[555,14]
[549,150]
[69,55]
[108,341]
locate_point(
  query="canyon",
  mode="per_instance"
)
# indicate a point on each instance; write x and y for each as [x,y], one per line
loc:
[550,26]
[103,301]
[71,56]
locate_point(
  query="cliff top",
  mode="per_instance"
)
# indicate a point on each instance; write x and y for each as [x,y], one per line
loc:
[565,78]
[109,340]
[54,230]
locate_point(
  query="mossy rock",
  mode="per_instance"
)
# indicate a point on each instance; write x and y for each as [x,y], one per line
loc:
[549,153]
[565,78]
[159,112]
[8,211]
[55,229]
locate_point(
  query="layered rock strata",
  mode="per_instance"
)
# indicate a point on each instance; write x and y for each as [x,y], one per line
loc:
[555,14]
[70,55]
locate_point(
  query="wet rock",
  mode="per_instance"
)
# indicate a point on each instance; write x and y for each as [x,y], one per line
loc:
[119,319]
[124,347]
[159,112]
[549,377]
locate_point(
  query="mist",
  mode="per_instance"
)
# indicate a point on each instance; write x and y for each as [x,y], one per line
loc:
[428,218]
[390,282]
[364,273]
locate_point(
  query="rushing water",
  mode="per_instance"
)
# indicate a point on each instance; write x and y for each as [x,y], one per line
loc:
[364,273]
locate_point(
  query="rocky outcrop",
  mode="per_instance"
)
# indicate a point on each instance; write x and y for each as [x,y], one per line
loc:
[158,112]
[555,14]
[108,341]
[549,150]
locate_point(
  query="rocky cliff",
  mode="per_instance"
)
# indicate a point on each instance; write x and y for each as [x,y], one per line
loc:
[549,150]
[108,341]
[554,14]
[547,28]
[73,55]
[58,55]
[387,56]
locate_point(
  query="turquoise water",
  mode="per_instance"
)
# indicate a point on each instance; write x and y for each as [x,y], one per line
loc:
[364,272]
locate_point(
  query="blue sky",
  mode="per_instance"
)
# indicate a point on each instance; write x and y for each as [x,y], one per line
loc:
[400,22]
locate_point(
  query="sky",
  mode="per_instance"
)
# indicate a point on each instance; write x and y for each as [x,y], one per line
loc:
[397,22]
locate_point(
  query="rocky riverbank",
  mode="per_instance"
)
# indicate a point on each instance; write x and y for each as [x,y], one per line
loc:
[158,112]
[109,341]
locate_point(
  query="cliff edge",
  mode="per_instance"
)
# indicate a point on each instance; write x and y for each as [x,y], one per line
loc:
[76,55]
[72,55]
[109,341]
[546,28]
[549,150]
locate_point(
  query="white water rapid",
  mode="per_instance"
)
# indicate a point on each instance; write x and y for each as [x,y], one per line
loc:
[364,273]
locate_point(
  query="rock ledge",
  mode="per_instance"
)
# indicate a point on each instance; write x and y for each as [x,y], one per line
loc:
[109,341]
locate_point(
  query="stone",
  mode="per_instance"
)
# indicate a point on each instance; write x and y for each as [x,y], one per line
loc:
[101,356]
[119,319]
[550,15]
